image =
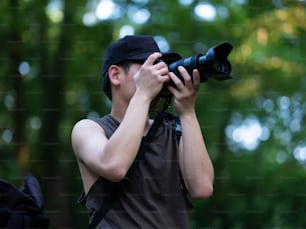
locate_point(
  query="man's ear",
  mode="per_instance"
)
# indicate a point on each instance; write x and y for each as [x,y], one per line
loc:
[114,75]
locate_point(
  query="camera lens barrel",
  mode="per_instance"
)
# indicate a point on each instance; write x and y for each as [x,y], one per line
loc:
[213,64]
[189,63]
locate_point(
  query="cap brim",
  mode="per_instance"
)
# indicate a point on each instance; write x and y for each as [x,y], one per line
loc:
[170,57]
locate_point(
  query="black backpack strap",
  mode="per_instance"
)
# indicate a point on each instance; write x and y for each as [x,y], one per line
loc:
[99,215]
[145,143]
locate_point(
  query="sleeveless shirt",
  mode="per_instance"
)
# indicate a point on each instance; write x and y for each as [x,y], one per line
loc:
[154,197]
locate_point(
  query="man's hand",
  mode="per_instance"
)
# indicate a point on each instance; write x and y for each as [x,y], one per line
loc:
[185,92]
[151,77]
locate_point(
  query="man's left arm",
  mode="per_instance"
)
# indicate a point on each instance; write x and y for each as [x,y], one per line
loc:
[195,163]
[194,160]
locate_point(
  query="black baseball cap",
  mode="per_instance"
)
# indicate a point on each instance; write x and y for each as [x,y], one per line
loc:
[133,48]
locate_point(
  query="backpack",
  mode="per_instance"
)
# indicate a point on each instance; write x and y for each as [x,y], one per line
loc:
[22,208]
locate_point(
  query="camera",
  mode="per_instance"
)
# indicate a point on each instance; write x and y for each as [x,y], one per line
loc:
[214,64]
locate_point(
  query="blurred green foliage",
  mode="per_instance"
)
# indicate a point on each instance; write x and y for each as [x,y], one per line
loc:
[253,124]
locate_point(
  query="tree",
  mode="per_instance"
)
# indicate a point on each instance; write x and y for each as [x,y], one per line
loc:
[252,123]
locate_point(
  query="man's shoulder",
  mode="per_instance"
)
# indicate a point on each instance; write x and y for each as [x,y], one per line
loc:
[84,124]
[85,128]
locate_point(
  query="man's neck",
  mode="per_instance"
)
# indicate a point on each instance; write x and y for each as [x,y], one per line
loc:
[118,114]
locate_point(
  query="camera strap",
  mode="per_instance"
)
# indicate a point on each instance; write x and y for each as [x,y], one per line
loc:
[119,186]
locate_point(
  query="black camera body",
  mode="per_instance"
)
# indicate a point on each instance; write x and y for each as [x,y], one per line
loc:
[214,64]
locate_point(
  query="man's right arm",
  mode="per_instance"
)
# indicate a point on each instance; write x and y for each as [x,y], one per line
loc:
[111,158]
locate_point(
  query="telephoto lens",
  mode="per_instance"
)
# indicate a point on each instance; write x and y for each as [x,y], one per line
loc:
[214,64]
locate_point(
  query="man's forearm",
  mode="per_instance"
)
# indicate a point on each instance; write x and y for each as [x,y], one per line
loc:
[194,159]
[123,146]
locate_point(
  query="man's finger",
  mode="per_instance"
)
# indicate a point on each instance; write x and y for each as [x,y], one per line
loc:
[152,58]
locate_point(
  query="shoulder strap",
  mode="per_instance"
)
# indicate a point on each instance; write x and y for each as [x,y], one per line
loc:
[145,143]
[99,215]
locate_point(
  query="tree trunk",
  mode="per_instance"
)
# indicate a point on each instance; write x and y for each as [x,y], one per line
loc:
[53,86]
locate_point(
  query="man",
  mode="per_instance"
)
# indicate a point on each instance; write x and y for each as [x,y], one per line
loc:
[153,196]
